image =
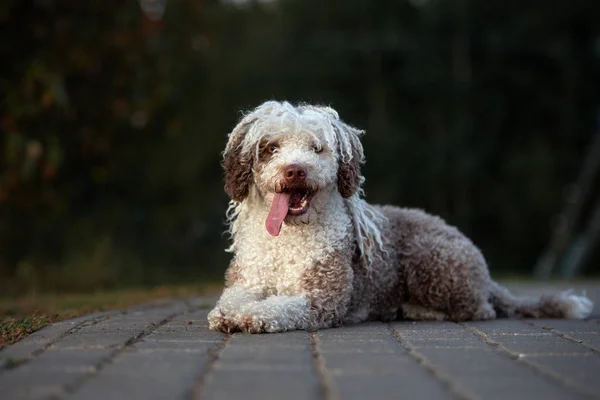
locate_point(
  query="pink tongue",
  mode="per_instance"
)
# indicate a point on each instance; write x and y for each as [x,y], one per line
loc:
[279,209]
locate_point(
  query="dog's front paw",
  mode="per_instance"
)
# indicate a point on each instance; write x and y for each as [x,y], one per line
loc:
[218,321]
[252,324]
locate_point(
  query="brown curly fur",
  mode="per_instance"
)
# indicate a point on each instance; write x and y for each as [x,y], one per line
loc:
[329,280]
[238,173]
[349,177]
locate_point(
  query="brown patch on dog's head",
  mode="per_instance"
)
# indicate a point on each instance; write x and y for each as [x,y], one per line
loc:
[238,166]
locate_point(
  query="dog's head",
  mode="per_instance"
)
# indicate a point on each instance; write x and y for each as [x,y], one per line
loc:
[296,158]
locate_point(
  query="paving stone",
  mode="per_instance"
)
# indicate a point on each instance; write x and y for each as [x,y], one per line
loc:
[165,350]
[185,326]
[367,328]
[287,338]
[367,363]
[539,344]
[340,337]
[264,385]
[433,334]
[273,358]
[414,384]
[488,374]
[26,382]
[249,352]
[458,360]
[565,325]
[96,340]
[506,326]
[588,339]
[438,335]
[373,338]
[19,352]
[584,336]
[582,370]
[516,387]
[69,359]
[277,368]
[115,331]
[358,345]
[430,330]
[198,316]
[174,345]
[190,334]
[156,375]
[377,368]
[445,343]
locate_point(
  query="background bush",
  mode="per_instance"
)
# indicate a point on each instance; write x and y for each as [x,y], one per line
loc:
[112,122]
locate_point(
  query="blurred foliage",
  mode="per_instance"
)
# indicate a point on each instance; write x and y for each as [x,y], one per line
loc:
[112,123]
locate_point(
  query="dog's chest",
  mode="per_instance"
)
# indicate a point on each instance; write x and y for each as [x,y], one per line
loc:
[278,264]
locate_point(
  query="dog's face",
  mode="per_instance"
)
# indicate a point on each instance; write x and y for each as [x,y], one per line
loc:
[293,156]
[294,170]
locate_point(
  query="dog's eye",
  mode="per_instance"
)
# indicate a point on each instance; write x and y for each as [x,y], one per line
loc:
[272,148]
[317,149]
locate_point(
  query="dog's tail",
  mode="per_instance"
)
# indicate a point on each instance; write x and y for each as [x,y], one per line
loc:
[560,305]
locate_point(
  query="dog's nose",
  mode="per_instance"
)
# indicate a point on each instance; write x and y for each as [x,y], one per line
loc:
[294,172]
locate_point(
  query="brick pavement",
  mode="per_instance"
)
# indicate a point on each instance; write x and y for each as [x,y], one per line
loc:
[165,351]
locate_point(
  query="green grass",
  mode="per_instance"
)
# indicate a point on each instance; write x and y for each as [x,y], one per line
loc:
[20,317]
[12,330]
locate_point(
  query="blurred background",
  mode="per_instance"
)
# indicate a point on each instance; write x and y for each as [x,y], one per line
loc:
[114,114]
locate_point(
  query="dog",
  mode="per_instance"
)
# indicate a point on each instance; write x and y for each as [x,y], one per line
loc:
[310,253]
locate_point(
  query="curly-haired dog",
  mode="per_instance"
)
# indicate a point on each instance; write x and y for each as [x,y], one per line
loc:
[310,253]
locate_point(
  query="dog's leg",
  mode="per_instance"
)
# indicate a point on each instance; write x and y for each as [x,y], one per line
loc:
[276,314]
[322,303]
[226,316]
[449,274]
[416,312]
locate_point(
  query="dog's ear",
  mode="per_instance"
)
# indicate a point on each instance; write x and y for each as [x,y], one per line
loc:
[348,177]
[236,164]
[351,156]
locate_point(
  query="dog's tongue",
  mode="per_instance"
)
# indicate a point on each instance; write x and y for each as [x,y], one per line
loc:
[279,209]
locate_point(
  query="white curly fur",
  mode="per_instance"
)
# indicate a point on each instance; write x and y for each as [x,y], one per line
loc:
[344,260]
